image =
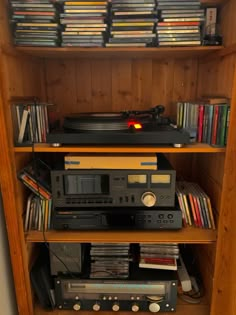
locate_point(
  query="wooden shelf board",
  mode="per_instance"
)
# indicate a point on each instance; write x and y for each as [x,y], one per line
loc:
[126,52]
[213,2]
[186,235]
[182,309]
[229,50]
[193,148]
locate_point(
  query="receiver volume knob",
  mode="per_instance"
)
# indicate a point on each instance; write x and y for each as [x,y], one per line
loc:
[135,308]
[154,307]
[148,199]
[115,307]
[77,306]
[96,307]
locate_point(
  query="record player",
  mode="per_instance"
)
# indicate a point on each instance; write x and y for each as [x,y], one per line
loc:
[121,128]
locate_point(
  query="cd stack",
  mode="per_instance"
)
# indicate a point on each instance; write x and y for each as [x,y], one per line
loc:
[109,260]
[159,256]
[180,22]
[84,23]
[132,23]
[35,23]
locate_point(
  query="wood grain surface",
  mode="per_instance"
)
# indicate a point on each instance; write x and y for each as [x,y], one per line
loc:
[186,235]
[80,80]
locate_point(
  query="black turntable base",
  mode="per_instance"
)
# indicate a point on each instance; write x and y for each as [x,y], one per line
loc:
[124,128]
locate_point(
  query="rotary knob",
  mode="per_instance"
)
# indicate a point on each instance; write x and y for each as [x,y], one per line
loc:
[96,307]
[135,308]
[148,199]
[154,307]
[115,307]
[77,307]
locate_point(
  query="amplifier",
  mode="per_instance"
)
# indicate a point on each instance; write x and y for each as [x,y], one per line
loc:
[147,291]
[117,218]
[114,187]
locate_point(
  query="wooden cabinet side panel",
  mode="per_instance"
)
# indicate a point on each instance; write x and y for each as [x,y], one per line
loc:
[19,77]
[13,220]
[224,292]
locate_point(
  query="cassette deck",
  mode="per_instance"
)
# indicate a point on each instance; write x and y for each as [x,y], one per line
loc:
[86,188]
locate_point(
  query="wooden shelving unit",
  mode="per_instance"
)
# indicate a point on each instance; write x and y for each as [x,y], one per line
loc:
[109,79]
[194,148]
[187,235]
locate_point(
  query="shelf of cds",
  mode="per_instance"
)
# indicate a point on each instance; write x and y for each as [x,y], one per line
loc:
[115,23]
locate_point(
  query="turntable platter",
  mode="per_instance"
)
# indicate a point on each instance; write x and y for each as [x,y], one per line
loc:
[96,122]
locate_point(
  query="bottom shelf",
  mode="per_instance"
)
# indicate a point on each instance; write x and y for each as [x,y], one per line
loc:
[182,309]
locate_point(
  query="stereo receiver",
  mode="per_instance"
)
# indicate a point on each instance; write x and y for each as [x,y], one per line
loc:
[136,294]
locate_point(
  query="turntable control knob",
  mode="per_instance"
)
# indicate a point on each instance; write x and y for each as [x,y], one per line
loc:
[96,307]
[135,308]
[154,307]
[115,307]
[148,199]
[77,306]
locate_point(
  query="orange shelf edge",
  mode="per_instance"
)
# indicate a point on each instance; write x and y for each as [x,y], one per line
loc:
[189,235]
[193,148]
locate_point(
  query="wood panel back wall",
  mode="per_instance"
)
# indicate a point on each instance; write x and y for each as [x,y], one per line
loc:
[215,76]
[114,85]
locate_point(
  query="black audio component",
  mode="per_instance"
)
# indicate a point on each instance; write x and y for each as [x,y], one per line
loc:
[66,256]
[128,127]
[114,187]
[41,280]
[145,291]
[117,218]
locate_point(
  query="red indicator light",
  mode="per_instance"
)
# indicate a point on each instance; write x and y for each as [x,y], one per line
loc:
[134,124]
[138,126]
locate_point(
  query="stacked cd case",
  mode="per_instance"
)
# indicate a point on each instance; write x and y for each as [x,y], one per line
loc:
[179,22]
[84,23]
[35,23]
[132,23]
[159,256]
[109,260]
